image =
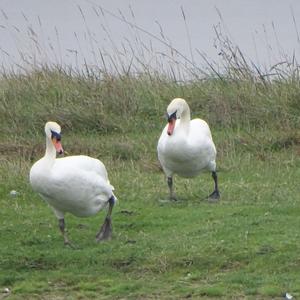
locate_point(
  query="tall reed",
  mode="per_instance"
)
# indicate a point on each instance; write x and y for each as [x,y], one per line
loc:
[125,90]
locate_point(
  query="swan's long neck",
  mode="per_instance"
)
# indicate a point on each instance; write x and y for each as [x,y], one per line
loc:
[185,117]
[50,154]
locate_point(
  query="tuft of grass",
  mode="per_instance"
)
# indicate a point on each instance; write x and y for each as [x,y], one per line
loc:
[243,247]
[118,105]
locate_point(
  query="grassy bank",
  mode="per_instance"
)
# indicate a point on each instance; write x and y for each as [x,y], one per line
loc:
[127,103]
[245,247]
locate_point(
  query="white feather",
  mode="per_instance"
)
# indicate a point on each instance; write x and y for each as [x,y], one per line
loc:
[74,184]
[190,149]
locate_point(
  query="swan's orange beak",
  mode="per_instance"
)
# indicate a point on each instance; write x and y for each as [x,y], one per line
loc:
[58,146]
[171,126]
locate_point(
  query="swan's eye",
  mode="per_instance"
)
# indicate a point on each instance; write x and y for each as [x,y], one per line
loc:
[172,116]
[55,135]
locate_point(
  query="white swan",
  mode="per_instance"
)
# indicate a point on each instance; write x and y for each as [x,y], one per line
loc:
[185,146]
[74,184]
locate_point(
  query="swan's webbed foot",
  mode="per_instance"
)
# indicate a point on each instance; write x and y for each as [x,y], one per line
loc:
[172,196]
[69,244]
[61,224]
[214,196]
[105,232]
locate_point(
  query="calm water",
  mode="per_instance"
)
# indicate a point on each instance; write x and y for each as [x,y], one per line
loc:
[131,33]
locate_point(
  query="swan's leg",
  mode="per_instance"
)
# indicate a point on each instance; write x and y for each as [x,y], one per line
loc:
[215,195]
[61,225]
[170,185]
[105,231]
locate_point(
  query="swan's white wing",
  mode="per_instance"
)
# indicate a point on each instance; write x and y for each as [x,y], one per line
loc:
[187,152]
[76,184]
[82,162]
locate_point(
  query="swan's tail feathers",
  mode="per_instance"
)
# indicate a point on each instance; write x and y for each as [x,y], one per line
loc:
[212,166]
[112,187]
[115,198]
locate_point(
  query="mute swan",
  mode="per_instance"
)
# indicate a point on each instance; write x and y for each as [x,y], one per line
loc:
[75,184]
[185,146]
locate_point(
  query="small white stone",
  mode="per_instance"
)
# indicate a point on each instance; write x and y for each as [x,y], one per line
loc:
[6,290]
[288,296]
[13,193]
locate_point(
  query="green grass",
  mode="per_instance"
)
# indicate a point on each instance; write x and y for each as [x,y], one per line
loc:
[244,247]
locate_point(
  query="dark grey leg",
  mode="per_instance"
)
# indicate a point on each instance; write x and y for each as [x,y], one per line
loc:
[61,225]
[170,185]
[215,195]
[105,231]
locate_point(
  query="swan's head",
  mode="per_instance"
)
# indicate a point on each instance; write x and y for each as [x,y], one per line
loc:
[52,130]
[174,111]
